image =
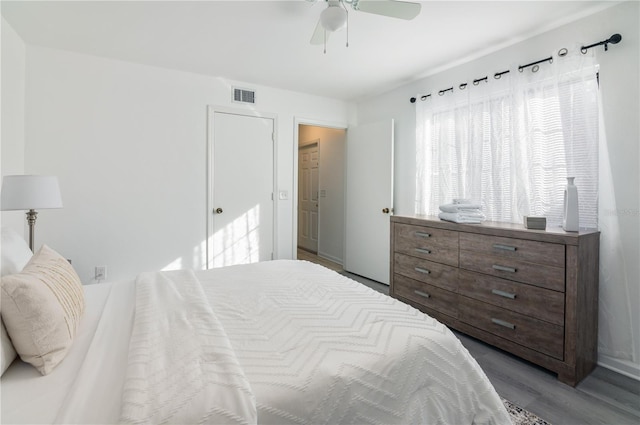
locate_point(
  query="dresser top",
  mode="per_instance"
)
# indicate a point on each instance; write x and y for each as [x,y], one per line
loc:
[510,230]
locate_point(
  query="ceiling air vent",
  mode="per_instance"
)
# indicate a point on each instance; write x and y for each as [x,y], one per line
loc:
[244,96]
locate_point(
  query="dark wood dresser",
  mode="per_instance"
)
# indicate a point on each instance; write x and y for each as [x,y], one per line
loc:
[532,293]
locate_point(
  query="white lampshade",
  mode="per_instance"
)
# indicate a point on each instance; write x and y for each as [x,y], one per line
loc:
[28,192]
[333,18]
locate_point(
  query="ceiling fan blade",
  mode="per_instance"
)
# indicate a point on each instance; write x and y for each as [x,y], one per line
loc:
[319,34]
[395,9]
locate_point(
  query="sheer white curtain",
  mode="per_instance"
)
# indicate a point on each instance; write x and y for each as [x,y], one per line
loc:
[509,144]
[616,336]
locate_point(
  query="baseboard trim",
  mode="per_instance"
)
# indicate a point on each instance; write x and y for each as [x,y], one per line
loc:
[623,367]
[330,258]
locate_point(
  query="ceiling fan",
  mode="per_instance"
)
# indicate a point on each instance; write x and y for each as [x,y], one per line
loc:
[335,16]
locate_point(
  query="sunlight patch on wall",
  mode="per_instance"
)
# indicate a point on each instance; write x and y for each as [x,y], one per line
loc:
[237,242]
[174,265]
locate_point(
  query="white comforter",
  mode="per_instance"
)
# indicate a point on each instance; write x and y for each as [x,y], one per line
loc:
[181,366]
[274,342]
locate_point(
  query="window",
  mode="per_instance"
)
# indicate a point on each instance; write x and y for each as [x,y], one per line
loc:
[510,144]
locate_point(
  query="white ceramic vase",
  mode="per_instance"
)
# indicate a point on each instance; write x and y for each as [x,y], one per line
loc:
[570,220]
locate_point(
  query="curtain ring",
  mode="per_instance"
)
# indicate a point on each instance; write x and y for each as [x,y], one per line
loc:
[462,86]
[497,76]
[535,68]
[441,92]
[551,59]
[424,97]
[476,82]
[563,52]
[583,50]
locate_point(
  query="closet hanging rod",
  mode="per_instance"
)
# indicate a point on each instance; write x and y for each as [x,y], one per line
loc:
[614,39]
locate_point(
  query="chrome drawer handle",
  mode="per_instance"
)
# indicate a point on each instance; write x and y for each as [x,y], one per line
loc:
[503,294]
[504,269]
[421,270]
[422,294]
[422,250]
[422,234]
[504,247]
[503,323]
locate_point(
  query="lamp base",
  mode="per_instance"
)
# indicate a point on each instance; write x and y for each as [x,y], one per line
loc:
[32,215]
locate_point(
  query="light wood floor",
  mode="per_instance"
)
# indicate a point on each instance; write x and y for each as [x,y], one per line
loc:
[604,397]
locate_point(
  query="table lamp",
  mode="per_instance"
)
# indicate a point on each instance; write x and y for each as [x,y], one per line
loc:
[28,192]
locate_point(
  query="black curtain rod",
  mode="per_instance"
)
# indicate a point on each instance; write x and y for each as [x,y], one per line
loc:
[614,39]
[522,67]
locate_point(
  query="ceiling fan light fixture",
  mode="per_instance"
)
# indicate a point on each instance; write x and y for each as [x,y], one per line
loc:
[333,18]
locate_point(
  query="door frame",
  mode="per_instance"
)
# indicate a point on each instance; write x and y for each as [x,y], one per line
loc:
[211,110]
[297,121]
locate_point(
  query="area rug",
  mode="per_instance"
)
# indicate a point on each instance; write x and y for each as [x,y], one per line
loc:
[520,416]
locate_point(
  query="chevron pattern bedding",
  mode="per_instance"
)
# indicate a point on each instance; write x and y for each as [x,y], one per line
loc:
[318,348]
[279,342]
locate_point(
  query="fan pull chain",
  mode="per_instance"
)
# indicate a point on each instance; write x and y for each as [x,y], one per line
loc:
[347,12]
[347,29]
[325,42]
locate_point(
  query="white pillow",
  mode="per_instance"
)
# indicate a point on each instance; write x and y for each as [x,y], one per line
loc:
[41,308]
[15,252]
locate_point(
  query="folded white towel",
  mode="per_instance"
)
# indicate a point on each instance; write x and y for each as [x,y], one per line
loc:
[462,217]
[454,208]
[461,201]
[471,214]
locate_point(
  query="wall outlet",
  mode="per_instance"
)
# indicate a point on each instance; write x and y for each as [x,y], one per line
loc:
[101,273]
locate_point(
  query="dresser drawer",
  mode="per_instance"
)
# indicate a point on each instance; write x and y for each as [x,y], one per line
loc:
[428,243]
[529,300]
[436,274]
[430,296]
[513,269]
[535,334]
[543,253]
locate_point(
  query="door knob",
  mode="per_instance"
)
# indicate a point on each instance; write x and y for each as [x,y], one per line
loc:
[218,210]
[385,210]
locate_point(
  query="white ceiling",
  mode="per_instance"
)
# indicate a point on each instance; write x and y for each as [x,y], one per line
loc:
[267,42]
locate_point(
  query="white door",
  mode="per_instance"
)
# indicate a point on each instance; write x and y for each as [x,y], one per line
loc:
[241,207]
[308,187]
[369,200]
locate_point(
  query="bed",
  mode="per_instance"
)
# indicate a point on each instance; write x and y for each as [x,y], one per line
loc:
[283,342]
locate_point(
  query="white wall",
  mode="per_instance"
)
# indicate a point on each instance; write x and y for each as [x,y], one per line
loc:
[619,70]
[13,59]
[128,143]
[331,206]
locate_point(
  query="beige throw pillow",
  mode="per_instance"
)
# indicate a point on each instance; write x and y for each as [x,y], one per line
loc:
[41,309]
[15,255]
[7,353]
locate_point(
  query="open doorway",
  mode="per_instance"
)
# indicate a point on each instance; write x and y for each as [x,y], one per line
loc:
[321,191]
